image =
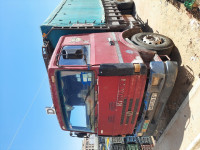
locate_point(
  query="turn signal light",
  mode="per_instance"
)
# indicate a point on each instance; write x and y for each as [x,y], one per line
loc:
[155,81]
[137,68]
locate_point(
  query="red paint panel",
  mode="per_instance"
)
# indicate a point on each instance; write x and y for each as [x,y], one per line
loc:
[100,49]
[136,93]
[108,88]
[54,94]
[104,52]
[117,90]
[128,54]
[118,128]
[140,91]
[77,39]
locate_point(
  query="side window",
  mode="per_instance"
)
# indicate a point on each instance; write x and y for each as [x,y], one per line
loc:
[75,55]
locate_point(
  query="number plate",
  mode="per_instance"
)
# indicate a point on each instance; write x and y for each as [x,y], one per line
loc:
[152,101]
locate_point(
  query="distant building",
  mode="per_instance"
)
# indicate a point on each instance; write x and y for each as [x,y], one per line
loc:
[90,143]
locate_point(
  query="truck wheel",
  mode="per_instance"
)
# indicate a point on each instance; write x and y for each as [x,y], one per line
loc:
[153,41]
[124,4]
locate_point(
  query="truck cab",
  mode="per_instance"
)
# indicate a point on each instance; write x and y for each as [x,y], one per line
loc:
[102,84]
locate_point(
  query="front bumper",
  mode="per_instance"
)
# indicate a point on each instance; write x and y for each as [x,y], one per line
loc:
[156,96]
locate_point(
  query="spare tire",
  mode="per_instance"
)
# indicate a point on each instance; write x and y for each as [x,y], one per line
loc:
[153,41]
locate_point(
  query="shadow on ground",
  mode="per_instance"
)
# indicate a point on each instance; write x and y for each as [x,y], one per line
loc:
[180,91]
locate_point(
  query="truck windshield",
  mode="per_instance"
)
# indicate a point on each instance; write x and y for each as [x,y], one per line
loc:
[76,94]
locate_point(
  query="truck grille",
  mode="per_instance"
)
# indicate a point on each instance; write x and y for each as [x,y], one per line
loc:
[135,111]
[129,113]
[123,111]
[129,109]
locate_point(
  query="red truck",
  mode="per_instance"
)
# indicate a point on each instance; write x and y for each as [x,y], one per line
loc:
[117,82]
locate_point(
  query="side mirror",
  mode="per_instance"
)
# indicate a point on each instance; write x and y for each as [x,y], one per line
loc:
[50,110]
[79,135]
[72,54]
[71,134]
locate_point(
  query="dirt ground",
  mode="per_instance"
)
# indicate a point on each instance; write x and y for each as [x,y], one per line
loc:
[164,18]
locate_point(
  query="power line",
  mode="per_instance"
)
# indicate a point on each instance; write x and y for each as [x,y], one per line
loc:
[26,114]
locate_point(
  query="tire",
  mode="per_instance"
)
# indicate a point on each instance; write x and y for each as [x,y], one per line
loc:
[164,48]
[124,5]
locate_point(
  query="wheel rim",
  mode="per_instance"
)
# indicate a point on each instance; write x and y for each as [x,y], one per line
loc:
[152,40]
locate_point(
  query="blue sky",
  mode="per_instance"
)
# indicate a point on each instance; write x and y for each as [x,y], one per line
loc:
[24,83]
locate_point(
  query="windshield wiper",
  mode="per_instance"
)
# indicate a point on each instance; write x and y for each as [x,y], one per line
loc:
[92,110]
[88,93]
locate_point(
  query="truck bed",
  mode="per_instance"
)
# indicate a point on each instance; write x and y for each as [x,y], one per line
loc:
[67,12]
[80,16]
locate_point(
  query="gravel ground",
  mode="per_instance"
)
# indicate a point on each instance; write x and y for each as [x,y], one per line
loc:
[175,22]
